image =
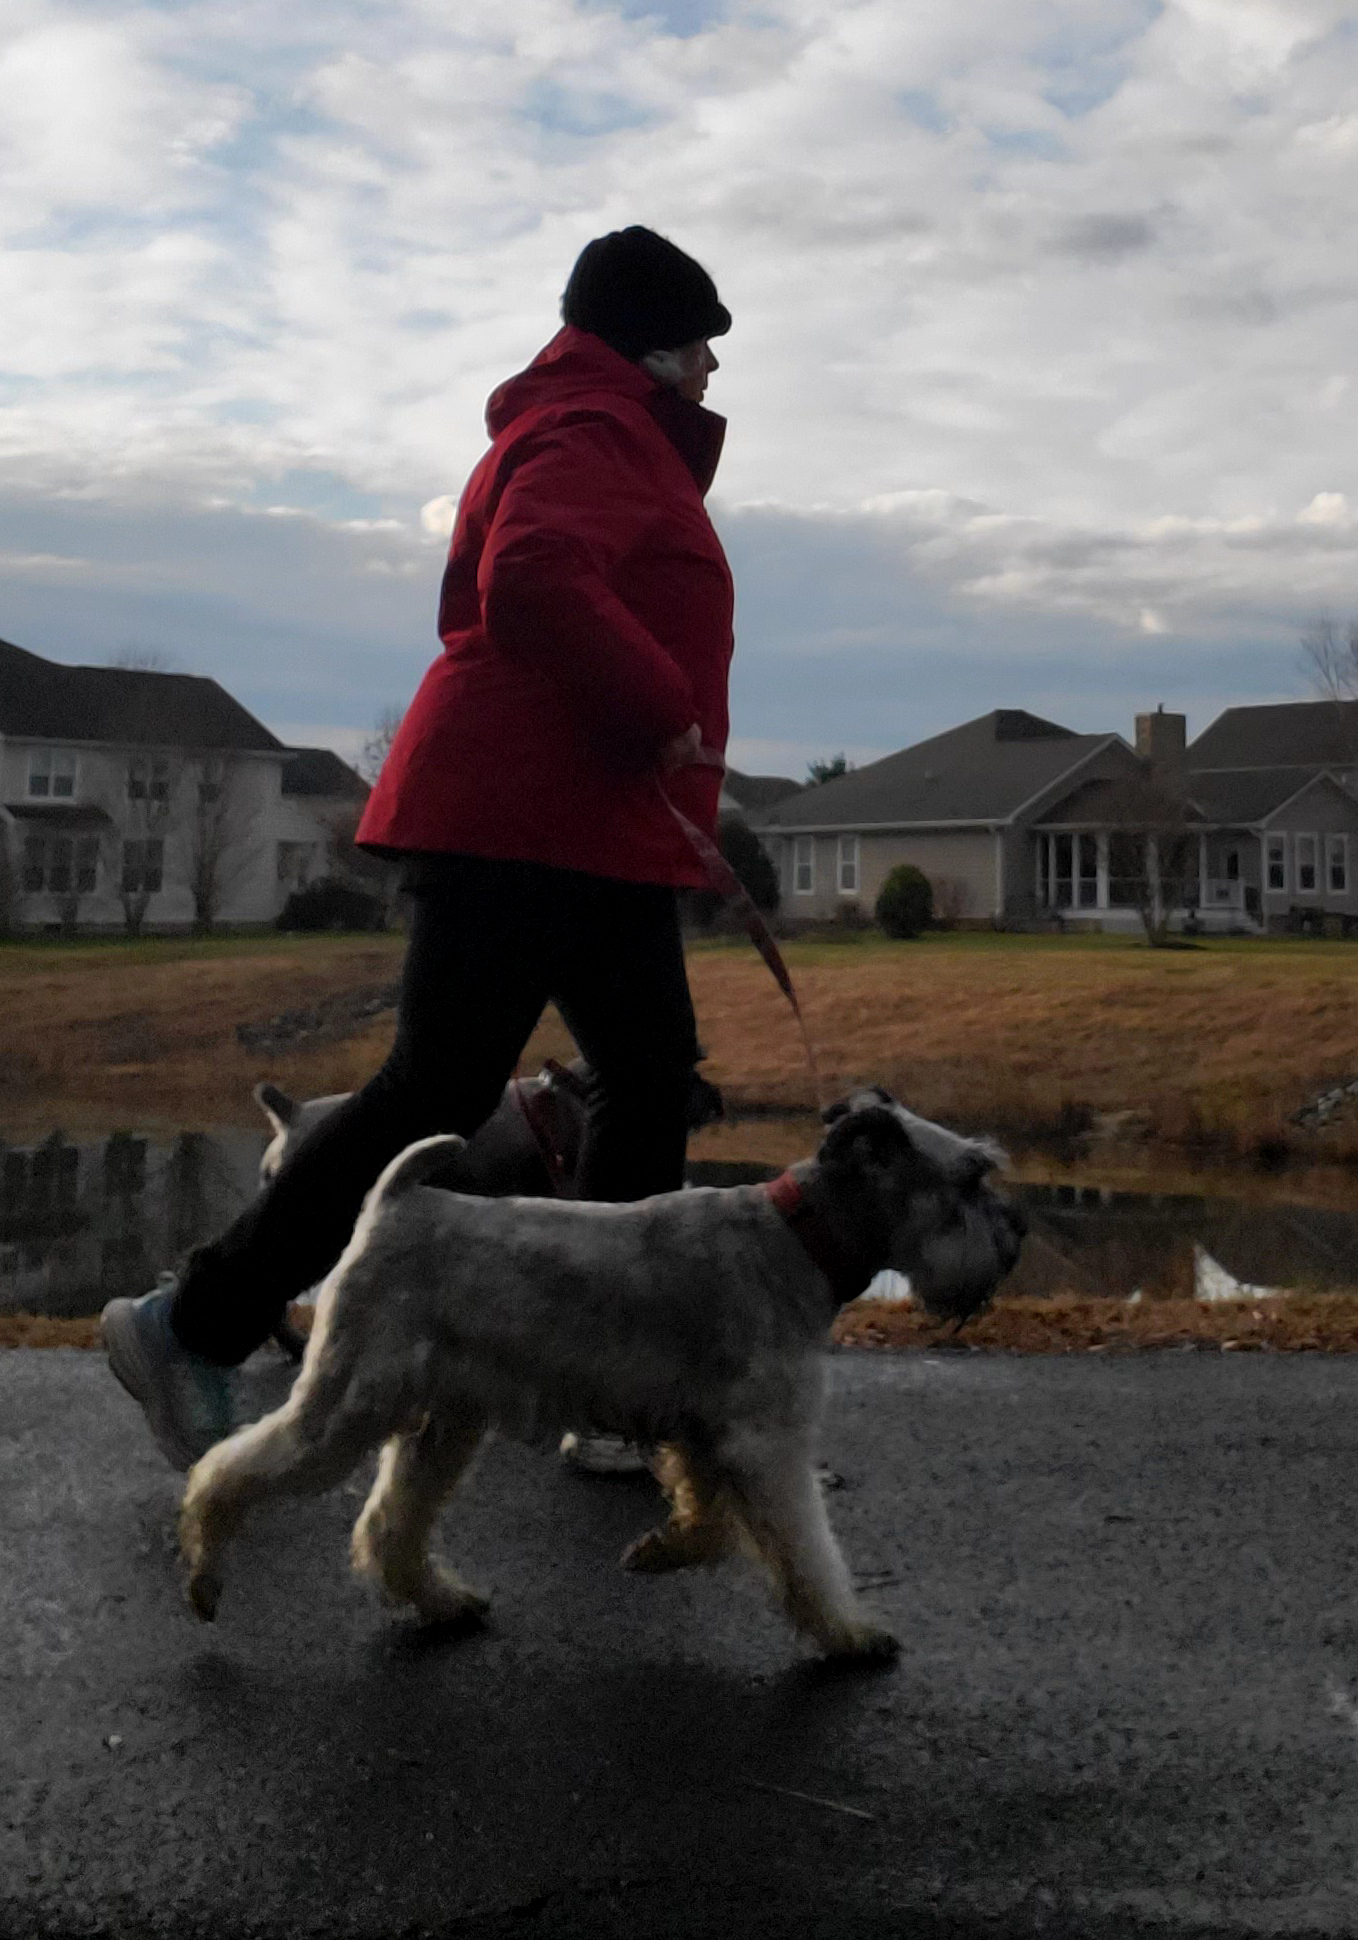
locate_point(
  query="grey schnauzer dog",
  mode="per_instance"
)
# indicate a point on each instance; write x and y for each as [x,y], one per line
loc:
[692,1322]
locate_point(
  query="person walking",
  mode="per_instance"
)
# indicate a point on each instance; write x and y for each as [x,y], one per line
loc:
[531,791]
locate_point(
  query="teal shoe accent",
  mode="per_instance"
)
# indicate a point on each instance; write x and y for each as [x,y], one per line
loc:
[187,1401]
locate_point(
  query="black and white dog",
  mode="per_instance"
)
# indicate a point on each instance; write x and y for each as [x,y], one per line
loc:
[530,1145]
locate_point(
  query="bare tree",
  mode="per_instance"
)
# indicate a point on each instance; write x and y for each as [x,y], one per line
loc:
[377,746]
[144,660]
[219,833]
[1152,849]
[1329,653]
[143,813]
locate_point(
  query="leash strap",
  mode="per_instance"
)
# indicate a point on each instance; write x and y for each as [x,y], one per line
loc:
[547,1152]
[724,882]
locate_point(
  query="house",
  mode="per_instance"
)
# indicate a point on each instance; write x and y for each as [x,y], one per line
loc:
[962,806]
[1263,812]
[1018,820]
[134,799]
[322,800]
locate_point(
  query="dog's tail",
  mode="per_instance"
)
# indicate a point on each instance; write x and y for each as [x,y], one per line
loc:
[408,1168]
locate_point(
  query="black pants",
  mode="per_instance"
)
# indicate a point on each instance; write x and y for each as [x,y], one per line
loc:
[490,944]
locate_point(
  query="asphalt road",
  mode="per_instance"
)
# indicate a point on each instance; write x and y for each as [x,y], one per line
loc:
[1127,1702]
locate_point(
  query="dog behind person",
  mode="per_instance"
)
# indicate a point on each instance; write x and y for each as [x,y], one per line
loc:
[693,1320]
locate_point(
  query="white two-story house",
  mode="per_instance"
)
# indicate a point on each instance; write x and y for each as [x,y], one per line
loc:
[132,799]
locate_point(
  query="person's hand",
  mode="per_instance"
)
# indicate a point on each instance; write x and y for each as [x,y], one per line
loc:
[683,751]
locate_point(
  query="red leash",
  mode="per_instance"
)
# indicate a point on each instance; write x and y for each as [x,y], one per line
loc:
[547,1152]
[724,882]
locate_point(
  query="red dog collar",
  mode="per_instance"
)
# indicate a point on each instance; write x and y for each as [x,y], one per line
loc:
[848,1276]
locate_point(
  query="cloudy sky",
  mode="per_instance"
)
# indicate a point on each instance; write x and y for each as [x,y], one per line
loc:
[1041,387]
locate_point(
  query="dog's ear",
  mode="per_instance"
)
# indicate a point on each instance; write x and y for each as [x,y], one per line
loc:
[277,1107]
[874,1134]
[832,1114]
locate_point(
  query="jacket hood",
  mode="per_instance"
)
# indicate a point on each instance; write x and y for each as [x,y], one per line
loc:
[577,366]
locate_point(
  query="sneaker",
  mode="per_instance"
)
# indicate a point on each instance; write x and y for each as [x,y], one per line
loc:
[186,1400]
[603,1455]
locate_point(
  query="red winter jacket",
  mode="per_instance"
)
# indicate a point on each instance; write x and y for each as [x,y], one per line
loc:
[586,621]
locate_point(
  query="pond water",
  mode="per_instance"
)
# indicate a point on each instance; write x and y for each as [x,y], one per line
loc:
[84,1218]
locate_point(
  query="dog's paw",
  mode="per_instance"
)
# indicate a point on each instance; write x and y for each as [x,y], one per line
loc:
[863,1643]
[451,1606]
[205,1591]
[657,1551]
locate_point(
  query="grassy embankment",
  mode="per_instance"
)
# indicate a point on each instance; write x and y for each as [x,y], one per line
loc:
[1033,1038]
[1046,1041]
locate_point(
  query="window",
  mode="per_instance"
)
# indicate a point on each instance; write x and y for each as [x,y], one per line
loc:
[294,863]
[60,864]
[1275,862]
[848,865]
[51,774]
[804,865]
[1306,865]
[143,866]
[148,778]
[1337,864]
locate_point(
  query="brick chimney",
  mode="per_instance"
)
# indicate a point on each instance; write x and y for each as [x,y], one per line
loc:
[1162,738]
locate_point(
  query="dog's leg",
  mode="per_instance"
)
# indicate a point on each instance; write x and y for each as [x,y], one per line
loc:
[286,1453]
[698,1530]
[775,1497]
[416,1474]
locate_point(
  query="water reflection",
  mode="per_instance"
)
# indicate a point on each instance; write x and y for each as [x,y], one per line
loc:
[83,1220]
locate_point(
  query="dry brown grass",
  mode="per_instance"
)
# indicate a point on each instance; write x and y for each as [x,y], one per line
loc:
[1023,1036]
[1325,1323]
[1066,1324]
[1030,1037]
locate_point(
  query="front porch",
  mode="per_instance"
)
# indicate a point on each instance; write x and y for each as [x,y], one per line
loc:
[1083,876]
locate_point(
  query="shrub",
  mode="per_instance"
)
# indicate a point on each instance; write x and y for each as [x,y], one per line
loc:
[332,905]
[906,901]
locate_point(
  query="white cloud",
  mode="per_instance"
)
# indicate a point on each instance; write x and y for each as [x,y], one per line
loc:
[1327,508]
[1058,299]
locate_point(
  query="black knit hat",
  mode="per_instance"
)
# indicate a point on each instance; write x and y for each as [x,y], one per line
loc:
[640,293]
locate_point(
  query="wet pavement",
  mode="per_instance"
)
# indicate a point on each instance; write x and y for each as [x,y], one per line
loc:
[1127,1701]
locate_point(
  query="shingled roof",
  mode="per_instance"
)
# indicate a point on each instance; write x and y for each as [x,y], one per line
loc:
[320,771]
[754,793]
[46,700]
[982,772]
[1290,734]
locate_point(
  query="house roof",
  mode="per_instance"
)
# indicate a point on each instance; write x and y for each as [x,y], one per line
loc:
[61,815]
[754,793]
[1290,734]
[49,701]
[1131,800]
[983,771]
[320,771]
[1245,796]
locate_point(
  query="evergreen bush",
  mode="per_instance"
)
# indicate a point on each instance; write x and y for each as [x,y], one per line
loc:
[905,904]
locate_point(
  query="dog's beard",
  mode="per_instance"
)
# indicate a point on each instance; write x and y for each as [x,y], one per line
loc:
[956,1268]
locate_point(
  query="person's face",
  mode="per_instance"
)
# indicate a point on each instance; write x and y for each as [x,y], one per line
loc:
[699,362]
